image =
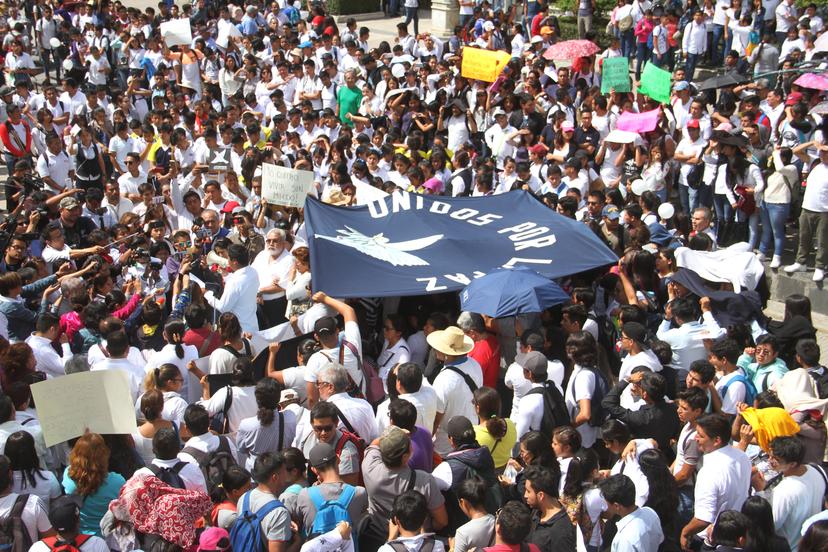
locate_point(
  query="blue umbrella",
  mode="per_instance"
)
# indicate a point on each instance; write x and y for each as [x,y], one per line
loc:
[511,291]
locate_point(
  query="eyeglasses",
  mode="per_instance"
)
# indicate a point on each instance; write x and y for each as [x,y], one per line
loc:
[323,429]
[763,351]
[273,241]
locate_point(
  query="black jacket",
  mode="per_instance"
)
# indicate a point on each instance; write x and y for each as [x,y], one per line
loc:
[657,421]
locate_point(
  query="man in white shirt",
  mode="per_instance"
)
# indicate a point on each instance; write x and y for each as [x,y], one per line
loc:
[238,296]
[414,388]
[117,349]
[633,335]
[131,180]
[457,380]
[801,492]
[345,349]
[814,219]
[722,483]
[786,17]
[54,166]
[514,378]
[46,29]
[639,528]
[530,407]
[197,420]
[694,43]
[167,467]
[47,329]
[113,202]
[355,415]
[498,137]
[688,340]
[119,146]
[272,267]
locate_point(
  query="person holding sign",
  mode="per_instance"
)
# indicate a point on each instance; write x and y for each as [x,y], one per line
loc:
[190,67]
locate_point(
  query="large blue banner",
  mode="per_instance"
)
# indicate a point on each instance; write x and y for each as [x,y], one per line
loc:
[410,244]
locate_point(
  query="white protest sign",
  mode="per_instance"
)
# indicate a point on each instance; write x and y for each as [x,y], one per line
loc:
[226,32]
[177,32]
[288,187]
[100,401]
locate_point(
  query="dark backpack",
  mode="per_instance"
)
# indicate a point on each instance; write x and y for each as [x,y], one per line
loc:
[426,546]
[695,175]
[494,491]
[215,464]
[246,533]
[467,378]
[330,512]
[597,415]
[554,408]
[170,476]
[14,537]
[55,543]
[821,381]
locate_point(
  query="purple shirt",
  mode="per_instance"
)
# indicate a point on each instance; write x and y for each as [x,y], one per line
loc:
[422,450]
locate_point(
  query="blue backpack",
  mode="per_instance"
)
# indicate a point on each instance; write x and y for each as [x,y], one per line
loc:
[750,389]
[246,533]
[330,512]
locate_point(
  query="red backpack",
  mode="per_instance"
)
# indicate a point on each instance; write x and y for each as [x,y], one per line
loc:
[353,437]
[55,543]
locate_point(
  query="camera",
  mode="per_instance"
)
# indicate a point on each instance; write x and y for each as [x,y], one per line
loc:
[155,265]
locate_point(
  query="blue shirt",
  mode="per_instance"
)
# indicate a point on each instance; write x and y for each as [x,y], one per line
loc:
[248,26]
[95,505]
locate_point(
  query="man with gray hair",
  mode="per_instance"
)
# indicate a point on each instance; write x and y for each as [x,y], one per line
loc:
[77,364]
[486,346]
[273,265]
[355,415]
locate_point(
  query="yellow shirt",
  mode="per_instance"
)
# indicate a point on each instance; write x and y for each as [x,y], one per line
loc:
[264,136]
[501,449]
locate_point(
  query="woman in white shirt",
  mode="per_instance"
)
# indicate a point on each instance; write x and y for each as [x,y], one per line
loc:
[655,173]
[167,379]
[151,410]
[236,401]
[27,477]
[233,345]
[269,430]
[177,353]
[736,174]
[297,291]
[231,78]
[394,348]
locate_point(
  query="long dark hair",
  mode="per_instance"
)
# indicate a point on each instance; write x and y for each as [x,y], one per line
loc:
[174,334]
[815,538]
[760,513]
[663,495]
[22,455]
[267,400]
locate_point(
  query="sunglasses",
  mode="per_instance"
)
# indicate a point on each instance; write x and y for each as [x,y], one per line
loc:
[323,429]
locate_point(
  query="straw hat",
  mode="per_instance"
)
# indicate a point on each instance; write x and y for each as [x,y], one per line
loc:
[451,341]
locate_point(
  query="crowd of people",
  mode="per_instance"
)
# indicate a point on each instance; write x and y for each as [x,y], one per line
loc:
[659,409]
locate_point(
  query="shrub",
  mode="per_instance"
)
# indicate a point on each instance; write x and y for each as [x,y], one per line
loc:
[348,7]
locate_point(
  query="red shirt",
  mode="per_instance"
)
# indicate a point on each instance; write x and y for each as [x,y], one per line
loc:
[511,548]
[197,338]
[487,355]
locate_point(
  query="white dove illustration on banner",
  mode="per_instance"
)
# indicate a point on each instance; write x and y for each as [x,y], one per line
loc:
[380,247]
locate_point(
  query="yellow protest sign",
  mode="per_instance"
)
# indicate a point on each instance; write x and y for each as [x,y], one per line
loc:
[484,65]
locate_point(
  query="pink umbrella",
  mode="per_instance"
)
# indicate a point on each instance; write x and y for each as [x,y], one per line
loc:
[571,49]
[812,81]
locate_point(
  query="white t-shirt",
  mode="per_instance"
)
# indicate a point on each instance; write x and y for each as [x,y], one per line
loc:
[795,499]
[581,386]
[736,392]
[816,193]
[722,483]
[349,361]
[644,358]
[35,517]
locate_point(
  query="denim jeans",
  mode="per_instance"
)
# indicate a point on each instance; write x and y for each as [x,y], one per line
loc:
[693,199]
[753,226]
[627,43]
[716,57]
[724,210]
[774,216]
[412,15]
[641,57]
[690,66]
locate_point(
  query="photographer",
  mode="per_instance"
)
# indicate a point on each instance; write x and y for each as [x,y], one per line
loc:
[244,233]
[75,226]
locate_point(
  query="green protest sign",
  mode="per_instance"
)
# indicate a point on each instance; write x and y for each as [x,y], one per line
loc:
[615,73]
[655,83]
